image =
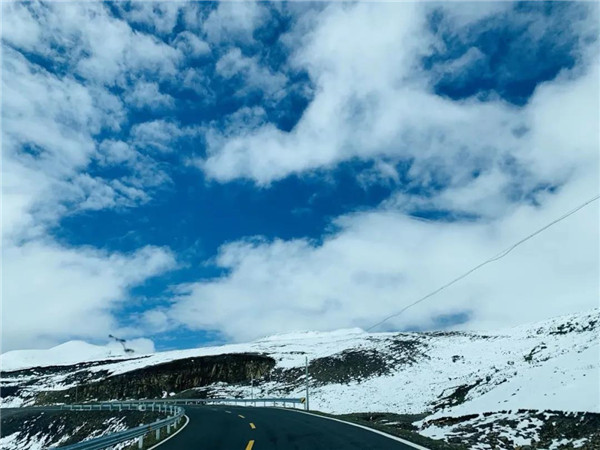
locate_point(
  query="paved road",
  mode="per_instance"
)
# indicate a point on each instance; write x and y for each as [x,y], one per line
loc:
[238,428]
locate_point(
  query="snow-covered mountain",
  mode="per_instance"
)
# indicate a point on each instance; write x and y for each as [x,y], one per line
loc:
[69,353]
[454,380]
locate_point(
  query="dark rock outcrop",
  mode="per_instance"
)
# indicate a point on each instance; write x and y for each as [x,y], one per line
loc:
[162,379]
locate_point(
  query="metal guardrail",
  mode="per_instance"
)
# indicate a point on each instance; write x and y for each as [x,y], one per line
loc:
[173,419]
[168,406]
[284,401]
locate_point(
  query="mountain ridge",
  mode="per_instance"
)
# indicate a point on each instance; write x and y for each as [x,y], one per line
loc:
[446,376]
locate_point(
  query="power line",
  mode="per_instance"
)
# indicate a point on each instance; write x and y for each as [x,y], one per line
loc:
[500,255]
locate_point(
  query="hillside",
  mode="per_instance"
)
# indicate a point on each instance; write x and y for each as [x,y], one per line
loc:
[473,387]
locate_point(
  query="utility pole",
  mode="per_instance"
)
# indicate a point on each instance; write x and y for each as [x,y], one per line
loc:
[306,379]
[252,389]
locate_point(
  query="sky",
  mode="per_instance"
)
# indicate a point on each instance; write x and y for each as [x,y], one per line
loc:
[184,174]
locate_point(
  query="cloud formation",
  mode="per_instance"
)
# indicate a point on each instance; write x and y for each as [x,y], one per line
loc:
[105,104]
[53,115]
[54,293]
[509,169]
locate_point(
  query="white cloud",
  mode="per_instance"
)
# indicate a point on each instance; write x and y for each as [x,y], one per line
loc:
[374,102]
[144,172]
[124,53]
[197,81]
[254,75]
[115,152]
[234,22]
[44,171]
[381,261]
[63,114]
[22,189]
[148,95]
[159,16]
[191,45]
[155,135]
[156,321]
[159,135]
[85,192]
[51,122]
[460,69]
[21,30]
[364,99]
[244,118]
[51,293]
[99,47]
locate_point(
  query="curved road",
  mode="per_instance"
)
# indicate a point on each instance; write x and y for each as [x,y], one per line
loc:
[239,428]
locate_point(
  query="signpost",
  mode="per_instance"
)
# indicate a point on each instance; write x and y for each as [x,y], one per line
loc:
[306,379]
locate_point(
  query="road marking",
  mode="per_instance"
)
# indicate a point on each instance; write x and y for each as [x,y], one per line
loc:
[252,426]
[239,415]
[249,446]
[389,436]
[228,412]
[187,420]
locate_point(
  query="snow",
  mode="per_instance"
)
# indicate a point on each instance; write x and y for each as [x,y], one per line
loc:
[24,440]
[569,382]
[482,432]
[549,366]
[69,353]
[579,443]
[557,444]
[553,365]
[74,352]
[295,336]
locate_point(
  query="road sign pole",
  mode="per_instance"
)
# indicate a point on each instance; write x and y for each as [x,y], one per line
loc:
[306,404]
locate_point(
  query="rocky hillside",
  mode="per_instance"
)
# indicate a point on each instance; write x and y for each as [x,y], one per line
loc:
[467,386]
[41,429]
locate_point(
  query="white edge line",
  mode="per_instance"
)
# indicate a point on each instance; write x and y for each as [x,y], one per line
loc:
[173,435]
[395,438]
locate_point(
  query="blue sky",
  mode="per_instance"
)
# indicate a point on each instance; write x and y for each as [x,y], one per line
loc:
[202,173]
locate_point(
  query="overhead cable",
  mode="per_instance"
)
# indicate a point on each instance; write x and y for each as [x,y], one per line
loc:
[500,255]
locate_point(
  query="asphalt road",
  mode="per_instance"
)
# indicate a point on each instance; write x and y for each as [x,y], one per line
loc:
[238,428]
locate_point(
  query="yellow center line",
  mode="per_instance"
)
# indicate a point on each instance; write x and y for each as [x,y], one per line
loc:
[239,415]
[252,425]
[249,446]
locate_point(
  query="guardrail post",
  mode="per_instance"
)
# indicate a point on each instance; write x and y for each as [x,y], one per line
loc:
[158,434]
[141,442]
[169,429]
